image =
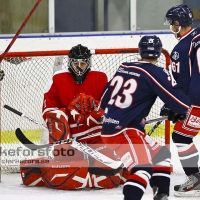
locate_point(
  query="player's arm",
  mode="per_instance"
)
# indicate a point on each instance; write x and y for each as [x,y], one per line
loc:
[50,99]
[169,92]
[106,96]
[101,81]
[194,84]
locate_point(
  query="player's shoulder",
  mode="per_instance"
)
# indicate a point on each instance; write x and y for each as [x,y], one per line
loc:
[144,69]
[195,33]
[196,37]
[140,65]
[62,72]
[97,73]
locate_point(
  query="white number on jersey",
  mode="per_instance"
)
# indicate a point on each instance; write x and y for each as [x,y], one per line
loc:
[129,88]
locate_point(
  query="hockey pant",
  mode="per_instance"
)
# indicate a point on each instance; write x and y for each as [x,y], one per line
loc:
[145,160]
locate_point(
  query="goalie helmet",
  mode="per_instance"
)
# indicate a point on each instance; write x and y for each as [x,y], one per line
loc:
[150,47]
[79,62]
[181,13]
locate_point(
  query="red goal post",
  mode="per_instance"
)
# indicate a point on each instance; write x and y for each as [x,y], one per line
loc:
[26,74]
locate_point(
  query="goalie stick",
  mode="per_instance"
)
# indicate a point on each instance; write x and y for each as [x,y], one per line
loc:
[100,171]
[23,115]
[115,165]
[41,124]
[94,170]
[22,138]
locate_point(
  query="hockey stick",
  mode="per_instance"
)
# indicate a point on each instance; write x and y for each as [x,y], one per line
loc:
[156,120]
[159,121]
[23,115]
[116,165]
[22,138]
[19,31]
[36,122]
[154,127]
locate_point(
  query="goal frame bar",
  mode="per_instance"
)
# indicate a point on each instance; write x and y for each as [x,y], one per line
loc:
[93,51]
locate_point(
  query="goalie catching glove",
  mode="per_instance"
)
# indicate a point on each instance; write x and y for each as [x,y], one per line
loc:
[83,103]
[83,108]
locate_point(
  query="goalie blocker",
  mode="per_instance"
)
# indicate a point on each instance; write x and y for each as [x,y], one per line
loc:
[64,171]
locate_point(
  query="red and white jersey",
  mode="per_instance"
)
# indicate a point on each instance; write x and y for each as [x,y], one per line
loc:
[62,89]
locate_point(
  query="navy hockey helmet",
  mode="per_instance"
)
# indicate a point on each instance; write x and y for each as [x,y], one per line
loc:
[79,62]
[150,47]
[181,13]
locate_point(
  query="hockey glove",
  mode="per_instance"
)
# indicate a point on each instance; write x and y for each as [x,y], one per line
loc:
[165,111]
[1,75]
[83,109]
[78,117]
[83,103]
[94,117]
[176,117]
[179,117]
[90,118]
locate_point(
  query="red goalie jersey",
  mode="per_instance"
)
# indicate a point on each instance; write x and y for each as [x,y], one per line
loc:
[62,89]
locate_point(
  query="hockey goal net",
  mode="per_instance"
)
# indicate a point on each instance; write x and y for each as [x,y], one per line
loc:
[26,74]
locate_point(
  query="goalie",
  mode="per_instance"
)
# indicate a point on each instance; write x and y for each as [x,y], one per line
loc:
[70,110]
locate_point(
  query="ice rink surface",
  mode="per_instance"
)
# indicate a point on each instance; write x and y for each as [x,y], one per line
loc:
[11,188]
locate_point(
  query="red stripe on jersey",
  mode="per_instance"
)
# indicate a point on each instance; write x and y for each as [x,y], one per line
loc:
[137,178]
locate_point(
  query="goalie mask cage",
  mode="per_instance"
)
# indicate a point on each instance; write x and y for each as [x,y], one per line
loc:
[26,74]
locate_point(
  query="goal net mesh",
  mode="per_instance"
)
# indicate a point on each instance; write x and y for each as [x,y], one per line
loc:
[26,74]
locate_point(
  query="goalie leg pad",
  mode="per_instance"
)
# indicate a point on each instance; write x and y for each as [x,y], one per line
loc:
[74,175]
[30,171]
[124,176]
[109,181]
[65,152]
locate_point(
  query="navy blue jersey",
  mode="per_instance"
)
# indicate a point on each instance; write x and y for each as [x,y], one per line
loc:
[185,64]
[130,94]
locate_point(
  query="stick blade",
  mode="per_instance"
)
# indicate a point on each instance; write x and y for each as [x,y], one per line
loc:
[104,172]
[26,142]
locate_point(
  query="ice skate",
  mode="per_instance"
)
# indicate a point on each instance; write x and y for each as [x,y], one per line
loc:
[191,188]
[158,196]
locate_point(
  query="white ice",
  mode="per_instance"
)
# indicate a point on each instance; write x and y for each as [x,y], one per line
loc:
[11,188]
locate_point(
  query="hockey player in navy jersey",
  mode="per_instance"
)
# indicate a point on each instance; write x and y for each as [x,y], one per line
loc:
[127,99]
[185,67]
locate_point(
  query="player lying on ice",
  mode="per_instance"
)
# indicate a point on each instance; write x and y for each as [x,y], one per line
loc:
[69,108]
[127,99]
